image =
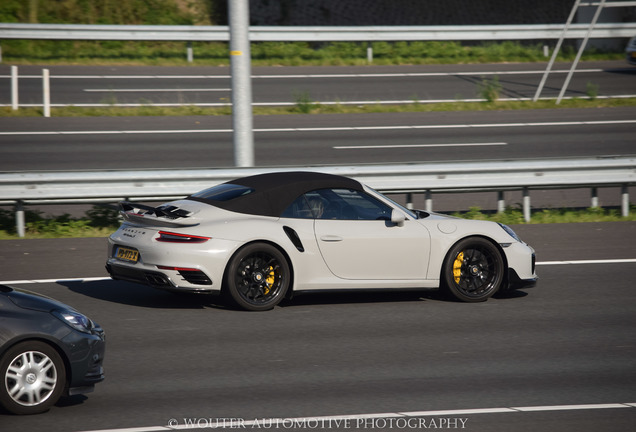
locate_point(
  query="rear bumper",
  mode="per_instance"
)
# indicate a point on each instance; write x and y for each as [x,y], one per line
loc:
[161,279]
[146,277]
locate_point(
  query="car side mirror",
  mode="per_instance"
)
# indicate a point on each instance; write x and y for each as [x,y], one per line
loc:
[397,217]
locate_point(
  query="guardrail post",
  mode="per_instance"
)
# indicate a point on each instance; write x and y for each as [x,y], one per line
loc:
[19,218]
[501,204]
[594,202]
[526,204]
[409,201]
[14,88]
[369,53]
[624,201]
[46,93]
[428,201]
[189,52]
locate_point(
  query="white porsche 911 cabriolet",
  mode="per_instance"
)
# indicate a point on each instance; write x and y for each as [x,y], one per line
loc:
[261,238]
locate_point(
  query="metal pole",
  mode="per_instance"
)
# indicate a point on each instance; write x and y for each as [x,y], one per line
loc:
[594,202]
[14,88]
[624,201]
[46,93]
[409,201]
[581,49]
[369,53]
[428,201]
[240,66]
[526,205]
[556,50]
[501,204]
[189,54]
[19,218]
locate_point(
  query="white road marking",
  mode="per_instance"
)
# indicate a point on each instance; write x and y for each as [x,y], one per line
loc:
[301,76]
[156,90]
[328,129]
[38,281]
[389,146]
[98,278]
[345,420]
[614,261]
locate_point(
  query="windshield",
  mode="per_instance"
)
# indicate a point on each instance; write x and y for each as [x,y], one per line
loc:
[410,213]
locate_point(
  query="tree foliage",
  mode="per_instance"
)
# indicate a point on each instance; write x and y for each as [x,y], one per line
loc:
[157,12]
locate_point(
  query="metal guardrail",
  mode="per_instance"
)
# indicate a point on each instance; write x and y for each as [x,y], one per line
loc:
[155,185]
[313,34]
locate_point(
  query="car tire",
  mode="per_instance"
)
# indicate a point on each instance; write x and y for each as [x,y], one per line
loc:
[257,277]
[473,270]
[33,378]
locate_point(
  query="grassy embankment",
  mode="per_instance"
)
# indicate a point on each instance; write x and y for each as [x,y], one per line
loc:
[101,222]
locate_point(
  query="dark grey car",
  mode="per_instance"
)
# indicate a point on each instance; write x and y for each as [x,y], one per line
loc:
[47,350]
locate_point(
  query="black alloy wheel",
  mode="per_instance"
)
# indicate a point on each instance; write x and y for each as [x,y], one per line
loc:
[257,277]
[473,270]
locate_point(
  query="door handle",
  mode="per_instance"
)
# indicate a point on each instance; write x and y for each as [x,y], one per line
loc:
[331,238]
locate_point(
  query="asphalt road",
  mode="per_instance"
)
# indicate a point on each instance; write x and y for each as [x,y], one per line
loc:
[304,140]
[211,85]
[568,341]
[90,143]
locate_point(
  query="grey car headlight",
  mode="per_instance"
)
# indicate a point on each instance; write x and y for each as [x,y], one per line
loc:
[75,320]
[510,231]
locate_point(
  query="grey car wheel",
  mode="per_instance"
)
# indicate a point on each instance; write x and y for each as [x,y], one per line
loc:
[257,277]
[33,378]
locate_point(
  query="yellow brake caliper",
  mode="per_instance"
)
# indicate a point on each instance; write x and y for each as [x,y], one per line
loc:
[457,266]
[269,281]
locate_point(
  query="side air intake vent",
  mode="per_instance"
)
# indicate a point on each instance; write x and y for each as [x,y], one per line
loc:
[293,236]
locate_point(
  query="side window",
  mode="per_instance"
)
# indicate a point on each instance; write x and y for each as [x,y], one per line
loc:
[338,204]
[349,204]
[308,206]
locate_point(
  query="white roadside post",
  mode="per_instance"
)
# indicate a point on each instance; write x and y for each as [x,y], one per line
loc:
[14,88]
[46,93]
[19,218]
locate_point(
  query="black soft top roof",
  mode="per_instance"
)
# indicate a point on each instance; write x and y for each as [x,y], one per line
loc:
[274,192]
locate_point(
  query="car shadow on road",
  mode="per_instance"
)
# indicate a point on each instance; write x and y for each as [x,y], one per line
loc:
[624,71]
[132,294]
[360,297]
[349,297]
[137,295]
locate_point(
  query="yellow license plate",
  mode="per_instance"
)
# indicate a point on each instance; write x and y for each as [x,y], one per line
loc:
[127,254]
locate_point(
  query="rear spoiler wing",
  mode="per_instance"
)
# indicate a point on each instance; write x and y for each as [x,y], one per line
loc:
[164,215]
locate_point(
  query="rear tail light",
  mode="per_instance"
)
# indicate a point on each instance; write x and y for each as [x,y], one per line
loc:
[171,237]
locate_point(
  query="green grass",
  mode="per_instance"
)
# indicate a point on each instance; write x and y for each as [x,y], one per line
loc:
[512,215]
[98,222]
[305,105]
[21,52]
[101,222]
